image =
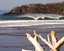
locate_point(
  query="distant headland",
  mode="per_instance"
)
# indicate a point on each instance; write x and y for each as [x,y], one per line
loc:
[52,8]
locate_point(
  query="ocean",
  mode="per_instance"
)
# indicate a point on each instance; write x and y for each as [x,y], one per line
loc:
[14,27]
[32,16]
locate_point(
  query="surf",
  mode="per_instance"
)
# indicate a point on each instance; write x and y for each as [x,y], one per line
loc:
[32,16]
[21,23]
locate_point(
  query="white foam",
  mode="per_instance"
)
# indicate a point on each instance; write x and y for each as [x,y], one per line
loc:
[36,16]
[15,23]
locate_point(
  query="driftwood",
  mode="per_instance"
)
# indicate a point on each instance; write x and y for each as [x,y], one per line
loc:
[35,42]
[55,46]
[54,39]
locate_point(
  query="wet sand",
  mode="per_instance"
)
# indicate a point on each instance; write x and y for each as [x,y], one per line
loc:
[14,39]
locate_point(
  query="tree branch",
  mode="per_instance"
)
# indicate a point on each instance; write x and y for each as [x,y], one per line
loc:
[34,42]
[54,38]
[48,39]
[59,43]
[36,38]
[44,40]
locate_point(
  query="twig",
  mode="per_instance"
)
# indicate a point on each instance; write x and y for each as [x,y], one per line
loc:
[49,39]
[36,38]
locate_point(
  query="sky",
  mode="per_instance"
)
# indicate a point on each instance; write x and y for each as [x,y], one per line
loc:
[10,4]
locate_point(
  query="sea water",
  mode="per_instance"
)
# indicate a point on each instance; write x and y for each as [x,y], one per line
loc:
[32,19]
[14,27]
[32,16]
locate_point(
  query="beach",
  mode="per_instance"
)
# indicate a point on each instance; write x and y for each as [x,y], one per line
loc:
[31,17]
[43,16]
[13,38]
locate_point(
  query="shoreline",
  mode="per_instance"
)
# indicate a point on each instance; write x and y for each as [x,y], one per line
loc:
[20,31]
[22,23]
[14,38]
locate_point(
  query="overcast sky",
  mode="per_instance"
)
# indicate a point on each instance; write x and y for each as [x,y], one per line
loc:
[9,4]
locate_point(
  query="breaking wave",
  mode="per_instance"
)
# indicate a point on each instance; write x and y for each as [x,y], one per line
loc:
[40,16]
[32,16]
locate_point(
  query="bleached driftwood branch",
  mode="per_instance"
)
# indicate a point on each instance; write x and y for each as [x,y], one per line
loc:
[44,40]
[55,46]
[59,43]
[54,38]
[48,39]
[34,42]
[36,38]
